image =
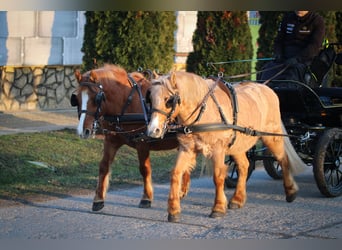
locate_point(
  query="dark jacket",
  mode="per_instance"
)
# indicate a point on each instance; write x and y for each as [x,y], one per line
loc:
[299,37]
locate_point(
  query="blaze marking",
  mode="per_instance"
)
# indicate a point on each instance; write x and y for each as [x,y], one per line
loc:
[85,99]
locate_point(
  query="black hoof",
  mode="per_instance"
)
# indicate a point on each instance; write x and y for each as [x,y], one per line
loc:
[290,198]
[217,214]
[232,205]
[97,206]
[173,218]
[145,204]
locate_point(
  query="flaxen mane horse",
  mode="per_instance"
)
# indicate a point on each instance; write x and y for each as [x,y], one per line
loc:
[112,100]
[219,119]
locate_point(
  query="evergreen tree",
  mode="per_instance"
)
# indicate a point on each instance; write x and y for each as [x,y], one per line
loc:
[88,48]
[132,39]
[338,30]
[338,27]
[330,34]
[269,21]
[221,36]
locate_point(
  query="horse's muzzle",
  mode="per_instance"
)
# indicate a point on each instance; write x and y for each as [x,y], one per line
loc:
[86,133]
[154,132]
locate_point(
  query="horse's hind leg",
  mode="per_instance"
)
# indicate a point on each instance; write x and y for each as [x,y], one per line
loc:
[277,148]
[240,196]
[146,173]
[104,174]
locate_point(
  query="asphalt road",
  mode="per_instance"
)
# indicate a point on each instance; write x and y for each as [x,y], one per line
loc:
[266,215]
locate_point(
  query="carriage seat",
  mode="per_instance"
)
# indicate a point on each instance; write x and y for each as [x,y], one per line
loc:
[320,66]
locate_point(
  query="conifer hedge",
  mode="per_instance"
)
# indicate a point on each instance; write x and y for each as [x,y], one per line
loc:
[221,36]
[132,39]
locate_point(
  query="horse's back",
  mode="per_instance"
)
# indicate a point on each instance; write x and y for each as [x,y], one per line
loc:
[258,104]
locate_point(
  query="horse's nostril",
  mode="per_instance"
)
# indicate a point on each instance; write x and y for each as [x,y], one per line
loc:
[86,133]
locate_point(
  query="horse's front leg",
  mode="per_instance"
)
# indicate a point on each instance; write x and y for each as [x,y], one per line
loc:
[109,153]
[184,163]
[239,198]
[186,181]
[146,173]
[219,175]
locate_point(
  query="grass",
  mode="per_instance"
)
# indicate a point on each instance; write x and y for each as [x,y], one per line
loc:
[59,163]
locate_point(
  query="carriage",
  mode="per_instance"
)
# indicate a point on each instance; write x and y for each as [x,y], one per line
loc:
[203,112]
[313,118]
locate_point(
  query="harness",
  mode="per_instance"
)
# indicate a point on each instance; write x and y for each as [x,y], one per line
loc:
[129,118]
[117,120]
[224,125]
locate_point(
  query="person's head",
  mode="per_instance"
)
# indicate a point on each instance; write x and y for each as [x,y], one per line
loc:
[301,13]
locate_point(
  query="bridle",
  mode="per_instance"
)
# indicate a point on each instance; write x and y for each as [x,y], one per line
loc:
[115,120]
[171,103]
[99,98]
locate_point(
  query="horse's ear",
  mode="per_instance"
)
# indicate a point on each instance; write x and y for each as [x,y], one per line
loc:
[78,75]
[93,76]
[173,80]
[155,75]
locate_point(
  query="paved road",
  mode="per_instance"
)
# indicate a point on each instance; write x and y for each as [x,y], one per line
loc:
[37,120]
[265,216]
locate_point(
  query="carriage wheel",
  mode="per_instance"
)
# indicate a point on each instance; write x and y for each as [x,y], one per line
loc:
[233,174]
[273,169]
[327,164]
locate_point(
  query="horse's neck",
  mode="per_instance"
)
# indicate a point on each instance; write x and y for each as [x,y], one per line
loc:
[192,97]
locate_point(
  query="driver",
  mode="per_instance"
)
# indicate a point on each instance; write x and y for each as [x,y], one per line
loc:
[298,41]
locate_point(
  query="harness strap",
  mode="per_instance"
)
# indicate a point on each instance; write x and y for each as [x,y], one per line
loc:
[220,126]
[202,106]
[276,75]
[142,99]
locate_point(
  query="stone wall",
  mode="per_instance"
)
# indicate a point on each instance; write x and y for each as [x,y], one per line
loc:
[29,88]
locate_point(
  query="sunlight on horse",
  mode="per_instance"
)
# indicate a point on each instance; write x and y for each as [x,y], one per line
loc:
[219,121]
[111,101]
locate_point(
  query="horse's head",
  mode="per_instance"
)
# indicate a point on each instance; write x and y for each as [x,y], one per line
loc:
[89,98]
[164,99]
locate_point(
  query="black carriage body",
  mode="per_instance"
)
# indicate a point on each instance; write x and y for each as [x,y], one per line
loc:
[301,105]
[313,120]
[307,113]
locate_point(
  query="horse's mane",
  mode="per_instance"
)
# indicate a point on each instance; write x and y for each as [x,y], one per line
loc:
[115,73]
[194,88]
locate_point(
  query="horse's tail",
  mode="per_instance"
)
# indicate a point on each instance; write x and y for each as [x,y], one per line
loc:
[296,164]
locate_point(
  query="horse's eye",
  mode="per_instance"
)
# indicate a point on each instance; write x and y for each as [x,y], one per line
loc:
[73,100]
[148,97]
[169,102]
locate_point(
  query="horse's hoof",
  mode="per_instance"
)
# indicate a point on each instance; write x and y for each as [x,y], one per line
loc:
[145,204]
[232,205]
[173,218]
[97,206]
[215,214]
[290,198]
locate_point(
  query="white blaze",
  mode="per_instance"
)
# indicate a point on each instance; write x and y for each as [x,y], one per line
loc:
[85,98]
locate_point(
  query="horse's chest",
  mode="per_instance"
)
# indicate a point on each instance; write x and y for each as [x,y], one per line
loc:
[204,143]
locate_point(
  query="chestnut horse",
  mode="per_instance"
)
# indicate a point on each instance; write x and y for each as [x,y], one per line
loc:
[219,119]
[112,100]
